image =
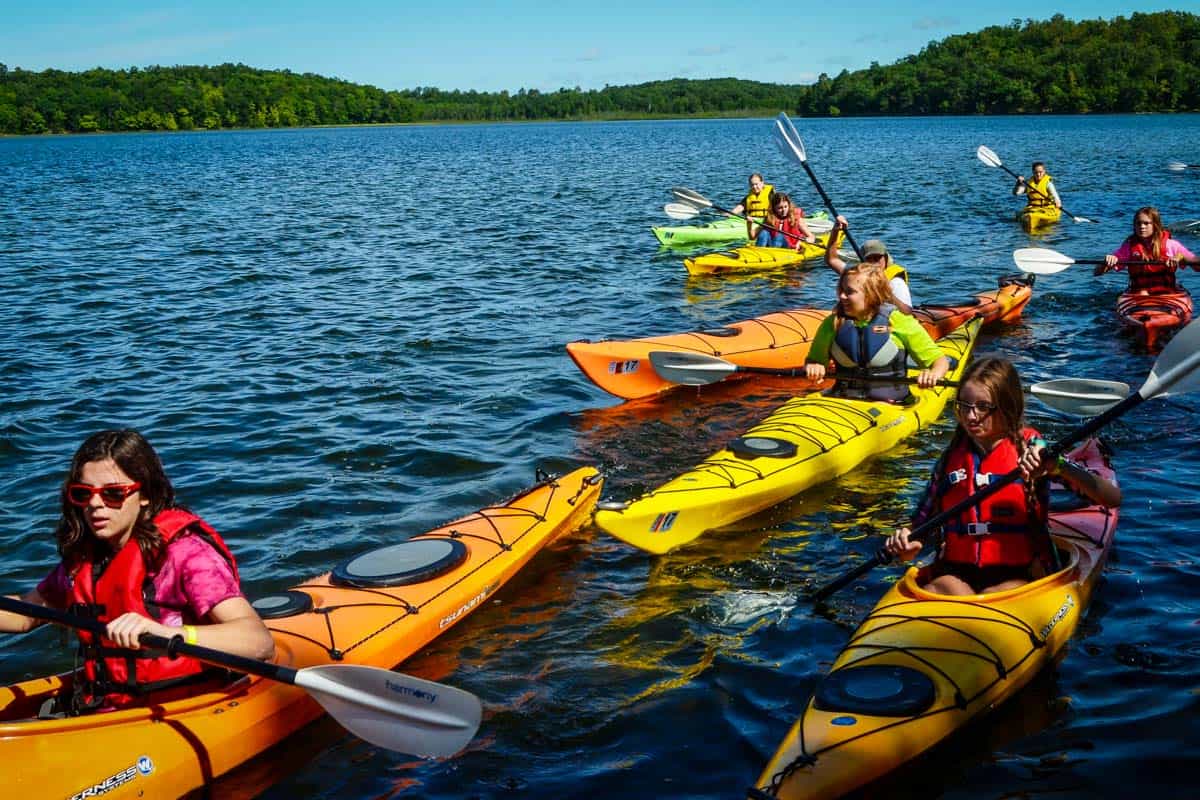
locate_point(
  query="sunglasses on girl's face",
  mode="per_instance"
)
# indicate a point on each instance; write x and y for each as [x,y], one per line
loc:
[112,495]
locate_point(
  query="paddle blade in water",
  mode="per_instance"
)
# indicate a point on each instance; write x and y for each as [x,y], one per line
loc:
[690,369]
[1177,370]
[1177,166]
[788,139]
[1040,260]
[395,711]
[987,156]
[1080,396]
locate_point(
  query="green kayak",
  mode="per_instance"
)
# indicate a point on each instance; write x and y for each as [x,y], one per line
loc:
[729,229]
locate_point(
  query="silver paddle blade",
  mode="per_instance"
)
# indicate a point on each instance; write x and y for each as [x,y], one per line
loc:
[1080,396]
[680,211]
[691,197]
[788,139]
[689,369]
[1177,166]
[1175,371]
[987,156]
[1040,260]
[393,710]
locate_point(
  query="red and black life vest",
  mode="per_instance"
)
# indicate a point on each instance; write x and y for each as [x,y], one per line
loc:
[115,676]
[789,226]
[1001,530]
[868,350]
[1150,277]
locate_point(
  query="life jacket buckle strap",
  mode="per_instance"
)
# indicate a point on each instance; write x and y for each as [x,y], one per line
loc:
[956,476]
[978,529]
[982,478]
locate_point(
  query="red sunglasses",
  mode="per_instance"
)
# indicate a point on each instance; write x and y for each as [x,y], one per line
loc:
[112,495]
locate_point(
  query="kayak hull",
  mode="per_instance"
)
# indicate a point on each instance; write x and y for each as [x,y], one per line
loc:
[172,748]
[807,441]
[774,341]
[1152,318]
[730,229]
[937,663]
[754,258]
[1032,219]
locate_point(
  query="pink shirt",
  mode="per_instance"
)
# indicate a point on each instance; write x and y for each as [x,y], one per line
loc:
[193,576]
[1173,250]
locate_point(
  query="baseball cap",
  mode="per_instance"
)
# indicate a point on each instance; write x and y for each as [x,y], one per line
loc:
[874,247]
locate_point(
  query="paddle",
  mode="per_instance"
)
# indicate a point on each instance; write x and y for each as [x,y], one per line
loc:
[1175,372]
[792,147]
[681,211]
[1072,395]
[698,202]
[989,157]
[388,709]
[1179,166]
[1043,261]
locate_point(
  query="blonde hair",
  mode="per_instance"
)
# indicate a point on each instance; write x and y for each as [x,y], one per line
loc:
[873,284]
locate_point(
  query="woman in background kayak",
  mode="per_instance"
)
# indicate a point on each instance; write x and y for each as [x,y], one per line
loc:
[757,202]
[1039,190]
[1002,542]
[868,335]
[784,225]
[874,252]
[141,564]
[1152,244]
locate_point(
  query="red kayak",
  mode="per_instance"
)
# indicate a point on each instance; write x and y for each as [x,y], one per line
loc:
[1154,317]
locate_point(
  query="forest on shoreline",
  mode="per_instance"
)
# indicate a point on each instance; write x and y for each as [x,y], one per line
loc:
[1144,63]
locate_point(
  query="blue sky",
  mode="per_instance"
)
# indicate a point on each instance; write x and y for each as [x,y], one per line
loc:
[402,44]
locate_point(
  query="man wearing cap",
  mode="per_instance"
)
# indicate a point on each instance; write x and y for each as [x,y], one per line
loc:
[874,251]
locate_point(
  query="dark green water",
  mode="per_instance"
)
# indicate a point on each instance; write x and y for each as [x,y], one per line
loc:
[337,338]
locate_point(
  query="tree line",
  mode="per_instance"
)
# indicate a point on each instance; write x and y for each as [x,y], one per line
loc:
[1143,63]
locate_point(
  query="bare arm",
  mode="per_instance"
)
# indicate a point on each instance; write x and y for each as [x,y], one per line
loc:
[832,257]
[11,622]
[235,627]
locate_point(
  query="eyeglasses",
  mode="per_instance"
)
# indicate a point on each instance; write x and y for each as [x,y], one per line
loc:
[982,410]
[112,495]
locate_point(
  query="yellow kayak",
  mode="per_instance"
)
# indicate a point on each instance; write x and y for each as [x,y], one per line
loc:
[1033,218]
[807,441]
[752,257]
[923,665]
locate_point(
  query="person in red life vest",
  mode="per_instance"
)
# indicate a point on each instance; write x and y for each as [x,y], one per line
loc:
[1151,243]
[141,564]
[785,225]
[1002,542]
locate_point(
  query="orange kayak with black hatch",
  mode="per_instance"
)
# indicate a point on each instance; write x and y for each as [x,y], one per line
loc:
[1153,317]
[776,341]
[376,608]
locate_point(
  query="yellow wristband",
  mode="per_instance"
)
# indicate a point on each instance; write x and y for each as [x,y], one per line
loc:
[189,634]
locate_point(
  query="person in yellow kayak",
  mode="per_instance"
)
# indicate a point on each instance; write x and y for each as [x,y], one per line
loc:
[1039,190]
[1152,244]
[140,563]
[787,227]
[1002,542]
[874,252]
[868,335]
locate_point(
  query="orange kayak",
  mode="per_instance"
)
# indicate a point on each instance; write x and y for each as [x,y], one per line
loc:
[377,608]
[1153,317]
[777,341]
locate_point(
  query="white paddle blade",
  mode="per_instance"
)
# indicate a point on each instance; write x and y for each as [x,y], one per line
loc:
[395,711]
[691,197]
[1175,371]
[690,369]
[1185,226]
[1041,260]
[1177,166]
[1080,396]
[788,139]
[680,211]
[987,156]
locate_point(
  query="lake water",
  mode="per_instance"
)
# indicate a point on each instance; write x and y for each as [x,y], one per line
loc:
[341,337]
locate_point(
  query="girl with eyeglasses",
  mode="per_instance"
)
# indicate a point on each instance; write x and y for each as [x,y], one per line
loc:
[1151,244]
[790,229]
[1002,542]
[137,561]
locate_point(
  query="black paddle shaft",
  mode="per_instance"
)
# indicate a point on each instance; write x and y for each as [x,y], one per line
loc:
[812,176]
[1053,451]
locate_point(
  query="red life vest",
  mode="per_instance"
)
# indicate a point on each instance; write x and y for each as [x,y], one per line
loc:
[789,226]
[115,676]
[1150,277]
[1001,530]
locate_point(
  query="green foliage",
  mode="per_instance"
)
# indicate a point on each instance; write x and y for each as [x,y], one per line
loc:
[1143,63]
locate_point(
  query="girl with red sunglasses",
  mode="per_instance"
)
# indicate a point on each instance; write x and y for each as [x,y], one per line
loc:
[140,563]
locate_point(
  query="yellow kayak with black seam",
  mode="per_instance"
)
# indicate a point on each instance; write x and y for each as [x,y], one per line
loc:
[376,608]
[923,665]
[808,440]
[753,257]
[1033,218]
